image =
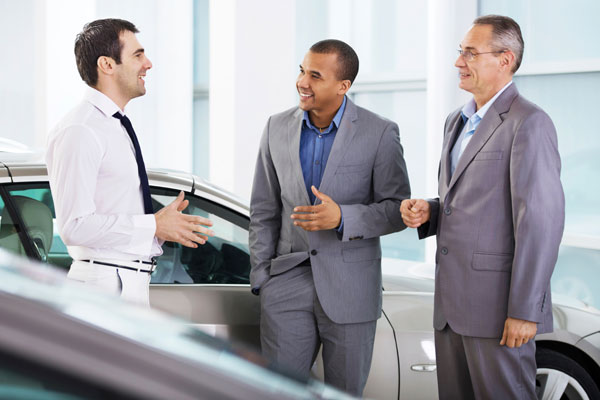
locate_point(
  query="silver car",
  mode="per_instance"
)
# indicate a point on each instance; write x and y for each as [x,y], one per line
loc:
[209,286]
[60,340]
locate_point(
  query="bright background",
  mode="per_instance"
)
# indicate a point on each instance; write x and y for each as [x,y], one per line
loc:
[221,67]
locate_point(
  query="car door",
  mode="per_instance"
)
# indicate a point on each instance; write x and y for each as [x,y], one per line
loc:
[208,286]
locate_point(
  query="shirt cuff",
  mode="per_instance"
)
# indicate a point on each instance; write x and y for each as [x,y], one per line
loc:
[144,230]
[340,229]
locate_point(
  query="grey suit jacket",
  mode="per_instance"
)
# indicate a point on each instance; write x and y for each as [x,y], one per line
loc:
[365,174]
[499,220]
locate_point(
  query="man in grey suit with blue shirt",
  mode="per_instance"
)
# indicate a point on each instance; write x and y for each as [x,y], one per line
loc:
[499,220]
[328,183]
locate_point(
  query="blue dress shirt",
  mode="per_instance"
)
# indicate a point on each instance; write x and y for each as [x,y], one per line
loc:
[315,147]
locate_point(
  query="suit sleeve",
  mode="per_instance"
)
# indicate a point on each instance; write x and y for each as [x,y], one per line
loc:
[265,214]
[538,208]
[430,227]
[390,187]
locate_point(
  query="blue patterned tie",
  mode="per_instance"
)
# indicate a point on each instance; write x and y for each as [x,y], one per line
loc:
[140,162]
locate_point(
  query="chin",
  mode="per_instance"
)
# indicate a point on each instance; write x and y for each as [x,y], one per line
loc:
[303,107]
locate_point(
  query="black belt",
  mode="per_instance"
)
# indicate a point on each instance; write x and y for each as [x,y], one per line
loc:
[149,271]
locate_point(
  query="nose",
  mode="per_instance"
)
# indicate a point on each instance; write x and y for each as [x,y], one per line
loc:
[460,61]
[148,64]
[302,81]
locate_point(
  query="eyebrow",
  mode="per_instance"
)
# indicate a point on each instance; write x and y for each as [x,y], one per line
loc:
[467,47]
[140,50]
[309,71]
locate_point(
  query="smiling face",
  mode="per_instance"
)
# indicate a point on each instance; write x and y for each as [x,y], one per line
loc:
[131,71]
[320,90]
[485,74]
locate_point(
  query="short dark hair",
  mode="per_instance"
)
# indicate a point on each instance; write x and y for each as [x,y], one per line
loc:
[506,35]
[99,38]
[347,58]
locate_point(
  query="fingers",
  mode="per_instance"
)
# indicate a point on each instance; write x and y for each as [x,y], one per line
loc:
[198,229]
[415,212]
[183,205]
[309,226]
[517,332]
[307,209]
[504,336]
[305,217]
[321,196]
[406,205]
[175,203]
[196,219]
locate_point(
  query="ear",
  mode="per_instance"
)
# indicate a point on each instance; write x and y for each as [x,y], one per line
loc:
[344,87]
[106,65]
[507,59]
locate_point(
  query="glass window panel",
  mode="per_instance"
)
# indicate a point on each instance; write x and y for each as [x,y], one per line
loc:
[312,18]
[201,43]
[388,42]
[577,275]
[224,259]
[552,33]
[406,108]
[36,208]
[373,29]
[201,138]
[571,102]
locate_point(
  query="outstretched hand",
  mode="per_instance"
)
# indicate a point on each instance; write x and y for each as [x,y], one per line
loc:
[326,215]
[174,226]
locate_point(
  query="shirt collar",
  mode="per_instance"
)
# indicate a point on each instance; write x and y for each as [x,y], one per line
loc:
[102,102]
[336,119]
[468,109]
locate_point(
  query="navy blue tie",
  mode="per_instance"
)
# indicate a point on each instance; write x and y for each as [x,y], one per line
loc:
[140,162]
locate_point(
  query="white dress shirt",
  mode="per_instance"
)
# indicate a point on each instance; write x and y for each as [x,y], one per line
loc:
[95,185]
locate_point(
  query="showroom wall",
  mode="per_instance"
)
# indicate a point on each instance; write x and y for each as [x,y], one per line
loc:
[40,83]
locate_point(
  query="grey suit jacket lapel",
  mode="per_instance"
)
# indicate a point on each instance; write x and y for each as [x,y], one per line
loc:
[341,143]
[294,130]
[455,128]
[488,125]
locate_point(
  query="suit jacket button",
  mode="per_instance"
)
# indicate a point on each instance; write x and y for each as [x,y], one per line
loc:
[313,252]
[448,211]
[444,251]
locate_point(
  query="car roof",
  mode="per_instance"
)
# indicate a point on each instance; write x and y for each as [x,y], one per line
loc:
[31,168]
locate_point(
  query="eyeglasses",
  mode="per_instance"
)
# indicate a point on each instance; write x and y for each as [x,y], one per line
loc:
[468,55]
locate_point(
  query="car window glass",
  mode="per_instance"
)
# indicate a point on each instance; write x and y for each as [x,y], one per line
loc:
[224,259]
[33,202]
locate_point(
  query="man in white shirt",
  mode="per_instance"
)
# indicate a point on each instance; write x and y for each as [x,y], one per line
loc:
[98,177]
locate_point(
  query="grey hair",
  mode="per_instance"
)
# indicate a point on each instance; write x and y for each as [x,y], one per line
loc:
[506,35]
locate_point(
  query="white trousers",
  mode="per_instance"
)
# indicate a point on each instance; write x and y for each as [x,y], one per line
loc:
[132,286]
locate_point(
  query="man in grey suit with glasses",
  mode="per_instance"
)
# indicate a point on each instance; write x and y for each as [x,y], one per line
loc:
[328,183]
[499,220]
